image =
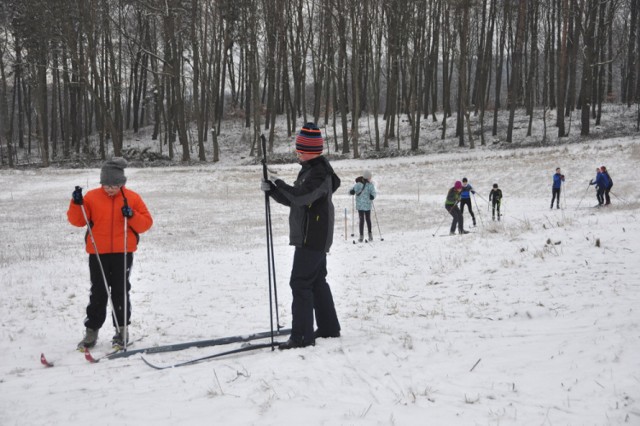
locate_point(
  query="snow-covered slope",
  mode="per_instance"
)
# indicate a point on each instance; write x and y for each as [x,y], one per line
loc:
[530,320]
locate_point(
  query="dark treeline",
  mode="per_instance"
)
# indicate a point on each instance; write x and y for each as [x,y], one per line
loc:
[76,74]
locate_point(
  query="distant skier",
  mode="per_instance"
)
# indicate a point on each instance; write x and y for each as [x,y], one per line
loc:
[451,204]
[495,196]
[607,190]
[601,182]
[558,180]
[465,199]
[311,219]
[365,193]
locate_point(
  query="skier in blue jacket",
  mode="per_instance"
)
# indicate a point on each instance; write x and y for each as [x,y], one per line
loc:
[558,179]
[607,190]
[601,182]
[465,199]
[365,193]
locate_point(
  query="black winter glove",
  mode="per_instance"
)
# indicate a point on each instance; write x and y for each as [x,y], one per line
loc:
[352,192]
[127,212]
[371,197]
[77,196]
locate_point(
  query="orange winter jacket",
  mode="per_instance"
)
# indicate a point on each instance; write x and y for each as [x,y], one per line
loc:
[107,223]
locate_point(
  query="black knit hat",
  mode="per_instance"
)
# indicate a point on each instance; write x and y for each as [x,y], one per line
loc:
[112,173]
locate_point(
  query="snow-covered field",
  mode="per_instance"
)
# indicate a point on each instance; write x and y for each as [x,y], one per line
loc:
[528,321]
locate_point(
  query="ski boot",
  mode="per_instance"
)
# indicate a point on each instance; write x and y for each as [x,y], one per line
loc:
[118,339]
[89,340]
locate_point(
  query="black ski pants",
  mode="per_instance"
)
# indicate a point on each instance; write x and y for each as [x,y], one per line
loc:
[457,218]
[311,292]
[555,192]
[467,202]
[600,195]
[113,265]
[364,215]
[495,205]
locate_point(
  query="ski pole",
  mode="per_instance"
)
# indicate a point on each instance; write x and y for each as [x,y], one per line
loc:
[618,197]
[271,267]
[478,208]
[438,228]
[376,216]
[125,336]
[345,224]
[353,212]
[104,278]
[443,220]
[475,193]
[583,195]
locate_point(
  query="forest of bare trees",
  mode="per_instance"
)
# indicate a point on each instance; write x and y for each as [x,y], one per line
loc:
[75,75]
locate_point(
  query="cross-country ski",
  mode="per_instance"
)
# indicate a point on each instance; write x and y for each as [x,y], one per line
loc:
[244,348]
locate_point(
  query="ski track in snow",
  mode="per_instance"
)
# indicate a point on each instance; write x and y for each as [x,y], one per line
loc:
[543,305]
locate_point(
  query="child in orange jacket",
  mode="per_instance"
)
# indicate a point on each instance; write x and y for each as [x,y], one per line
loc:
[106,208]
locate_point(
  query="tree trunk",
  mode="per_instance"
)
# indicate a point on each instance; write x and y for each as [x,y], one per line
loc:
[356,22]
[587,67]
[517,65]
[503,31]
[562,70]
[632,53]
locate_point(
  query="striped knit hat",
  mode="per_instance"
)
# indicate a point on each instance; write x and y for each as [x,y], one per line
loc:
[309,139]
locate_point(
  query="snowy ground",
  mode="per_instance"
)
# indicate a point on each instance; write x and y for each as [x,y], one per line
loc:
[531,320]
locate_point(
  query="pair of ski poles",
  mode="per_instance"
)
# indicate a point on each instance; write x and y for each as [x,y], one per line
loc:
[124,335]
[271,266]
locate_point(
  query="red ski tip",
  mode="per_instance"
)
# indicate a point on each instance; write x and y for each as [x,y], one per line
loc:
[88,356]
[44,361]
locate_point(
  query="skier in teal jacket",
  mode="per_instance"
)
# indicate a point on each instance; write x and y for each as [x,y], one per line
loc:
[365,193]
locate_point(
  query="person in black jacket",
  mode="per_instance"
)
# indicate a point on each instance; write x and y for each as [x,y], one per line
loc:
[311,220]
[495,197]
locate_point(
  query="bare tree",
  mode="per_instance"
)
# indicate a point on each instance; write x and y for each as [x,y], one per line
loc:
[514,85]
[562,67]
[588,64]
